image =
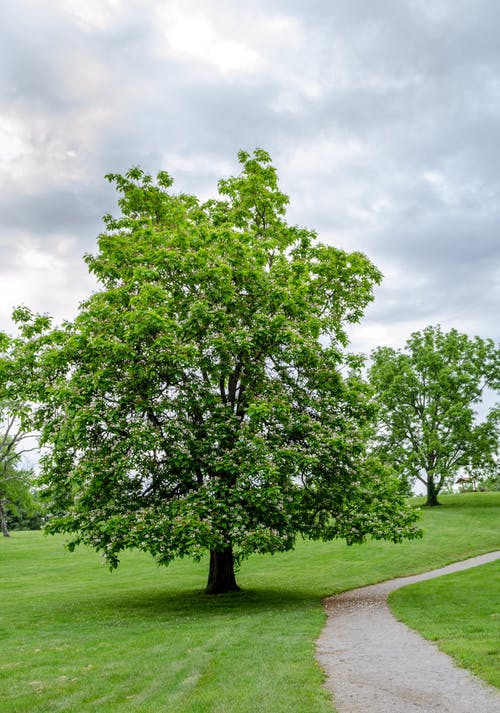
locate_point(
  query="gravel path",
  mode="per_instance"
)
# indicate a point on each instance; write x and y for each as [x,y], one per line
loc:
[376,664]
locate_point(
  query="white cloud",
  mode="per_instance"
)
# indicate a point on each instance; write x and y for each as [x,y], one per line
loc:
[322,155]
[193,35]
[92,14]
[234,57]
[38,150]
[14,141]
[462,193]
[46,277]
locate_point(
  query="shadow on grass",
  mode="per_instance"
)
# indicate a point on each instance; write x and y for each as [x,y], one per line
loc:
[197,604]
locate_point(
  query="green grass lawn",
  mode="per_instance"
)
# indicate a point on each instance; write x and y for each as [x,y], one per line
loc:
[461,613]
[78,638]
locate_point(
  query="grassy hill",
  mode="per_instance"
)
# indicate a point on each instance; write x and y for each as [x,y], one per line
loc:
[78,638]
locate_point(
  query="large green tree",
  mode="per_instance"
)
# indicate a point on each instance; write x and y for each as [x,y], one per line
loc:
[201,400]
[428,396]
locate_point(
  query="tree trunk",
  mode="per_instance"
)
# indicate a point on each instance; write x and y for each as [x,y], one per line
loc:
[432,493]
[221,577]
[3,520]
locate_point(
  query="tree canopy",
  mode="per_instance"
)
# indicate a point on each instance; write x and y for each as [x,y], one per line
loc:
[428,396]
[202,400]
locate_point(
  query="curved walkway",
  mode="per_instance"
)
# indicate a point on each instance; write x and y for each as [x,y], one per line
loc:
[375,664]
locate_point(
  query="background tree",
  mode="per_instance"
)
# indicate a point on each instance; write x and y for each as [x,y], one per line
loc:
[492,480]
[18,379]
[20,507]
[197,402]
[428,395]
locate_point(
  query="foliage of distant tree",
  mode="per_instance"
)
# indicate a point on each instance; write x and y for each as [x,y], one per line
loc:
[17,501]
[428,395]
[201,400]
[19,504]
[490,477]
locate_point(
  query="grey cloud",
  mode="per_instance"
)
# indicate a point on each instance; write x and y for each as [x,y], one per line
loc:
[33,47]
[59,211]
[414,85]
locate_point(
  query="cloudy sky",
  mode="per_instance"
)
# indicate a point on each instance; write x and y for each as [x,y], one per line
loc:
[381,116]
